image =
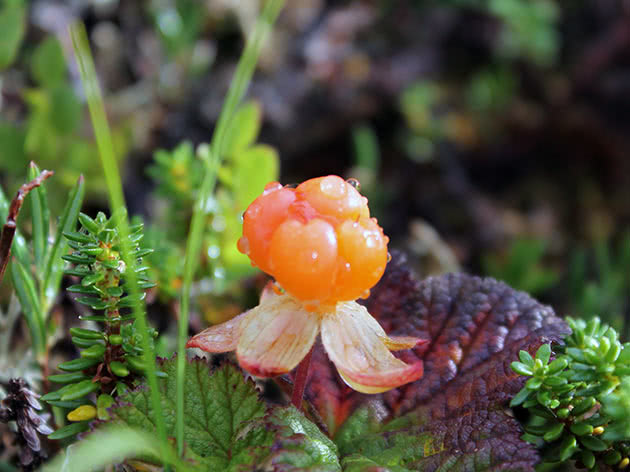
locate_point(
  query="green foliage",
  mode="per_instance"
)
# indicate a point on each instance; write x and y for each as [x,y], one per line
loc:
[366,170]
[529,29]
[12,29]
[37,267]
[177,174]
[111,444]
[165,262]
[48,66]
[52,129]
[179,23]
[247,168]
[107,154]
[599,282]
[112,357]
[522,266]
[578,402]
[227,426]
[213,156]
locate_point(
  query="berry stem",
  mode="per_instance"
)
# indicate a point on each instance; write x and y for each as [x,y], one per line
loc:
[299,384]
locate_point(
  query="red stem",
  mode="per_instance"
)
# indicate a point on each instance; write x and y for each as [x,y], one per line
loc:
[299,384]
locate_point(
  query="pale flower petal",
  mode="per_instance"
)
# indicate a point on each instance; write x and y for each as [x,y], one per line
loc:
[276,336]
[358,346]
[398,343]
[219,338]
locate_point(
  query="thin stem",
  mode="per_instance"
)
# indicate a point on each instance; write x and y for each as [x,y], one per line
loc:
[212,159]
[10,227]
[105,146]
[299,384]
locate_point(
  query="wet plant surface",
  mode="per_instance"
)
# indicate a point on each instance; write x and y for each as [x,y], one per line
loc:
[490,138]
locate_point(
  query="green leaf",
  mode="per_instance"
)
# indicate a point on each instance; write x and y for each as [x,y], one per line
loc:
[593,443]
[79,237]
[89,224]
[48,66]
[299,444]
[366,148]
[226,423]
[54,264]
[253,169]
[95,303]
[526,358]
[243,129]
[520,397]
[521,368]
[83,343]
[67,378]
[554,432]
[588,458]
[103,402]
[78,288]
[12,136]
[580,429]
[12,29]
[77,364]
[119,369]
[86,333]
[557,365]
[79,390]
[544,353]
[40,217]
[66,109]
[109,445]
[94,352]
[66,432]
[29,301]
[92,278]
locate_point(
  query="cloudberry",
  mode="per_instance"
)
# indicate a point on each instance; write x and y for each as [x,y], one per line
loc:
[317,240]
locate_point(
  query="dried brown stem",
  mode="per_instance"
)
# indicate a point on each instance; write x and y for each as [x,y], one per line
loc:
[9,228]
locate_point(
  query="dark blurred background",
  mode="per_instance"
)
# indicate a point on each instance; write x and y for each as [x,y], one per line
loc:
[490,136]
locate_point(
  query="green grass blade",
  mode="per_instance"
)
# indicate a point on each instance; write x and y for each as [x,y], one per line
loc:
[212,159]
[29,301]
[53,270]
[40,216]
[117,203]
[18,248]
[111,445]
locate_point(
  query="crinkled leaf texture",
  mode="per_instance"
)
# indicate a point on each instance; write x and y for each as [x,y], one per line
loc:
[227,426]
[456,417]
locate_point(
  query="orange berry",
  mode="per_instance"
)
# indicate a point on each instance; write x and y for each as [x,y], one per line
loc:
[334,197]
[260,221]
[303,258]
[362,258]
[317,240]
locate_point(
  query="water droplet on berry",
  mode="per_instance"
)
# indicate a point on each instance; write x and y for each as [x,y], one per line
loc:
[243,245]
[271,187]
[355,183]
[389,257]
[365,294]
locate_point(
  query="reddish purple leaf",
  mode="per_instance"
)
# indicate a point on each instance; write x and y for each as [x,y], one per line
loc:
[475,328]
